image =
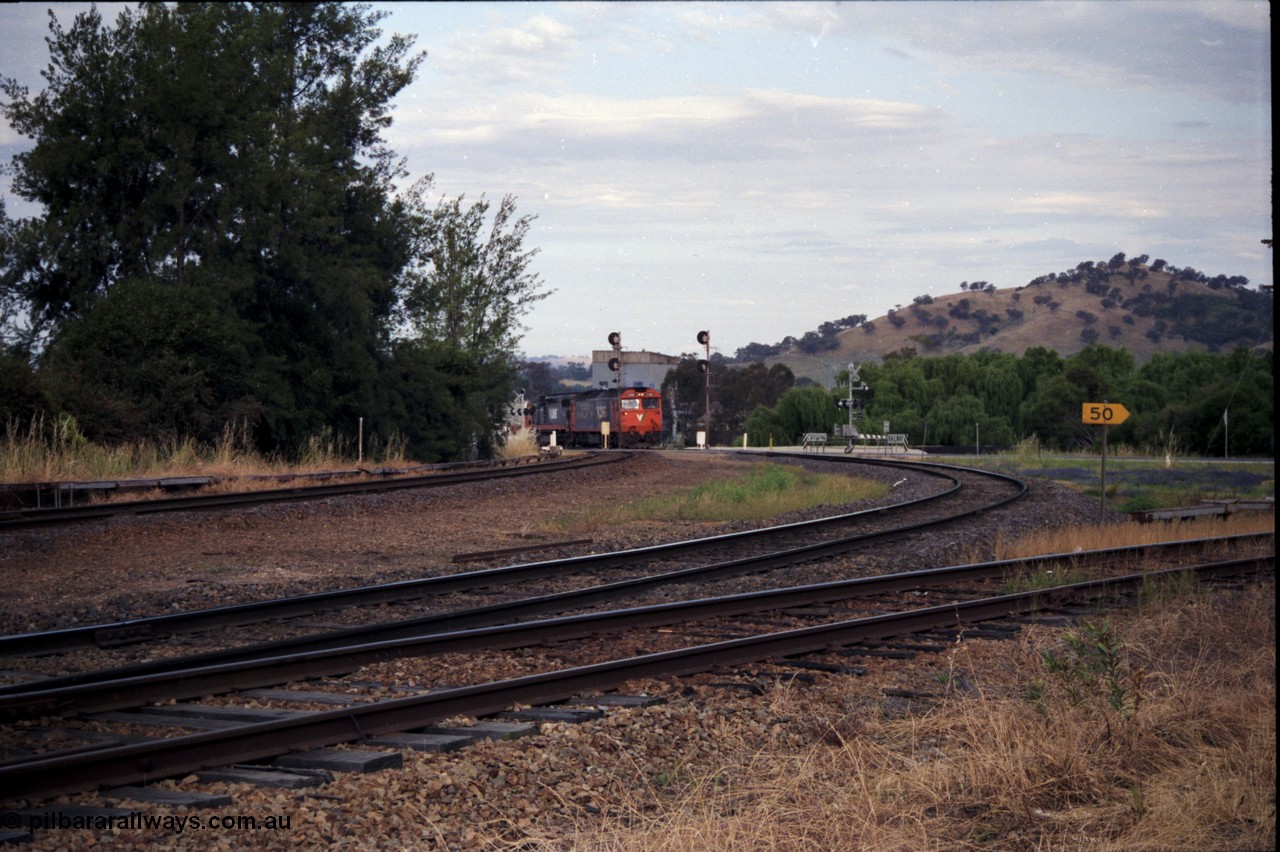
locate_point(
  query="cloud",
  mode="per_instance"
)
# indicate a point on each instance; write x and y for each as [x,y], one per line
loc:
[1212,50]
[696,129]
[849,156]
[1254,16]
[535,49]
[1058,245]
[1098,205]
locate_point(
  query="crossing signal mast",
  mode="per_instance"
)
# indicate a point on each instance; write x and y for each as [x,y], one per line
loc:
[856,404]
[704,337]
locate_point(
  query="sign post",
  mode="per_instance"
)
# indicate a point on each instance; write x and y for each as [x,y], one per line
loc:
[1104,413]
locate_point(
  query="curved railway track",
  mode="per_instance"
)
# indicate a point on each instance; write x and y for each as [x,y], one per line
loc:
[804,618]
[958,496]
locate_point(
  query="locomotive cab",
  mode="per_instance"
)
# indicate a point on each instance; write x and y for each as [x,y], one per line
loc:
[640,416]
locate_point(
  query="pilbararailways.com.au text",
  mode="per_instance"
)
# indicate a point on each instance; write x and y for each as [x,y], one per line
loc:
[136,820]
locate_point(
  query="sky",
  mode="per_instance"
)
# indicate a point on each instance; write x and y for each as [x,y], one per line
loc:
[757,169]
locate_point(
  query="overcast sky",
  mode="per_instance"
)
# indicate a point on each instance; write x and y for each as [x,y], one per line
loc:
[757,169]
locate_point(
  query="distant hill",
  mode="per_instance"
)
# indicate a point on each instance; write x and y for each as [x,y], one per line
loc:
[1128,304]
[562,360]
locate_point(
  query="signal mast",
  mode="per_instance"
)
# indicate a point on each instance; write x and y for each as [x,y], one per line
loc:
[704,337]
[855,405]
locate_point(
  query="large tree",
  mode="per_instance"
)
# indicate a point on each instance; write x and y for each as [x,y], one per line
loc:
[231,148]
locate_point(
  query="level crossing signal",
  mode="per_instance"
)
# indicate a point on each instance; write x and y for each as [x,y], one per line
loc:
[856,405]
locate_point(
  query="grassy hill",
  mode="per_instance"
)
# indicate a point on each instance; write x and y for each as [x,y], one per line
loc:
[1144,308]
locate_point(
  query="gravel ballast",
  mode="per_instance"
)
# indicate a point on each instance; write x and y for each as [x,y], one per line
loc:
[553,784]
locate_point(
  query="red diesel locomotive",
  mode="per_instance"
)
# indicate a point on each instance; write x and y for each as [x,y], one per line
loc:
[632,417]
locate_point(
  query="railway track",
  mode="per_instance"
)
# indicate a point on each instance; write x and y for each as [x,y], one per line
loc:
[442,476]
[344,651]
[271,734]
[451,599]
[536,659]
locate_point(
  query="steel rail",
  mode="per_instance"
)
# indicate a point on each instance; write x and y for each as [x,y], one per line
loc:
[65,639]
[508,612]
[26,518]
[70,488]
[147,762]
[114,690]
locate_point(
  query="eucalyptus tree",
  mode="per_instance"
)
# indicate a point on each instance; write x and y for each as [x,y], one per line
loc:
[470,282]
[229,149]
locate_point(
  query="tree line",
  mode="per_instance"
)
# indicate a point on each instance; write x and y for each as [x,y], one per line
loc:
[1198,403]
[224,236]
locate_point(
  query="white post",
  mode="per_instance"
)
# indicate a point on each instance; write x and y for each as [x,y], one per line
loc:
[360,443]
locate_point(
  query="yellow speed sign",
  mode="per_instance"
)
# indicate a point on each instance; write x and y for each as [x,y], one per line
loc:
[1104,413]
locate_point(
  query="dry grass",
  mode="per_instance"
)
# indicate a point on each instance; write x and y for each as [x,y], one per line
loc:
[1091,537]
[523,443]
[1149,729]
[56,451]
[1016,761]
[1057,329]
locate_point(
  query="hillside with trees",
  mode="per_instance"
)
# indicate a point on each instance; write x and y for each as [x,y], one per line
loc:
[1189,355]
[1141,305]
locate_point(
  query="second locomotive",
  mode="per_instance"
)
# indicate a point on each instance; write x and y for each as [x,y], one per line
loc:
[627,417]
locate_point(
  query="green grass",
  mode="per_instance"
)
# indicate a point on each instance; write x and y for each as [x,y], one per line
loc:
[766,491]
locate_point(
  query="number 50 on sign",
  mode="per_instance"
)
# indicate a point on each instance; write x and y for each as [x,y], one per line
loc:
[1104,413]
